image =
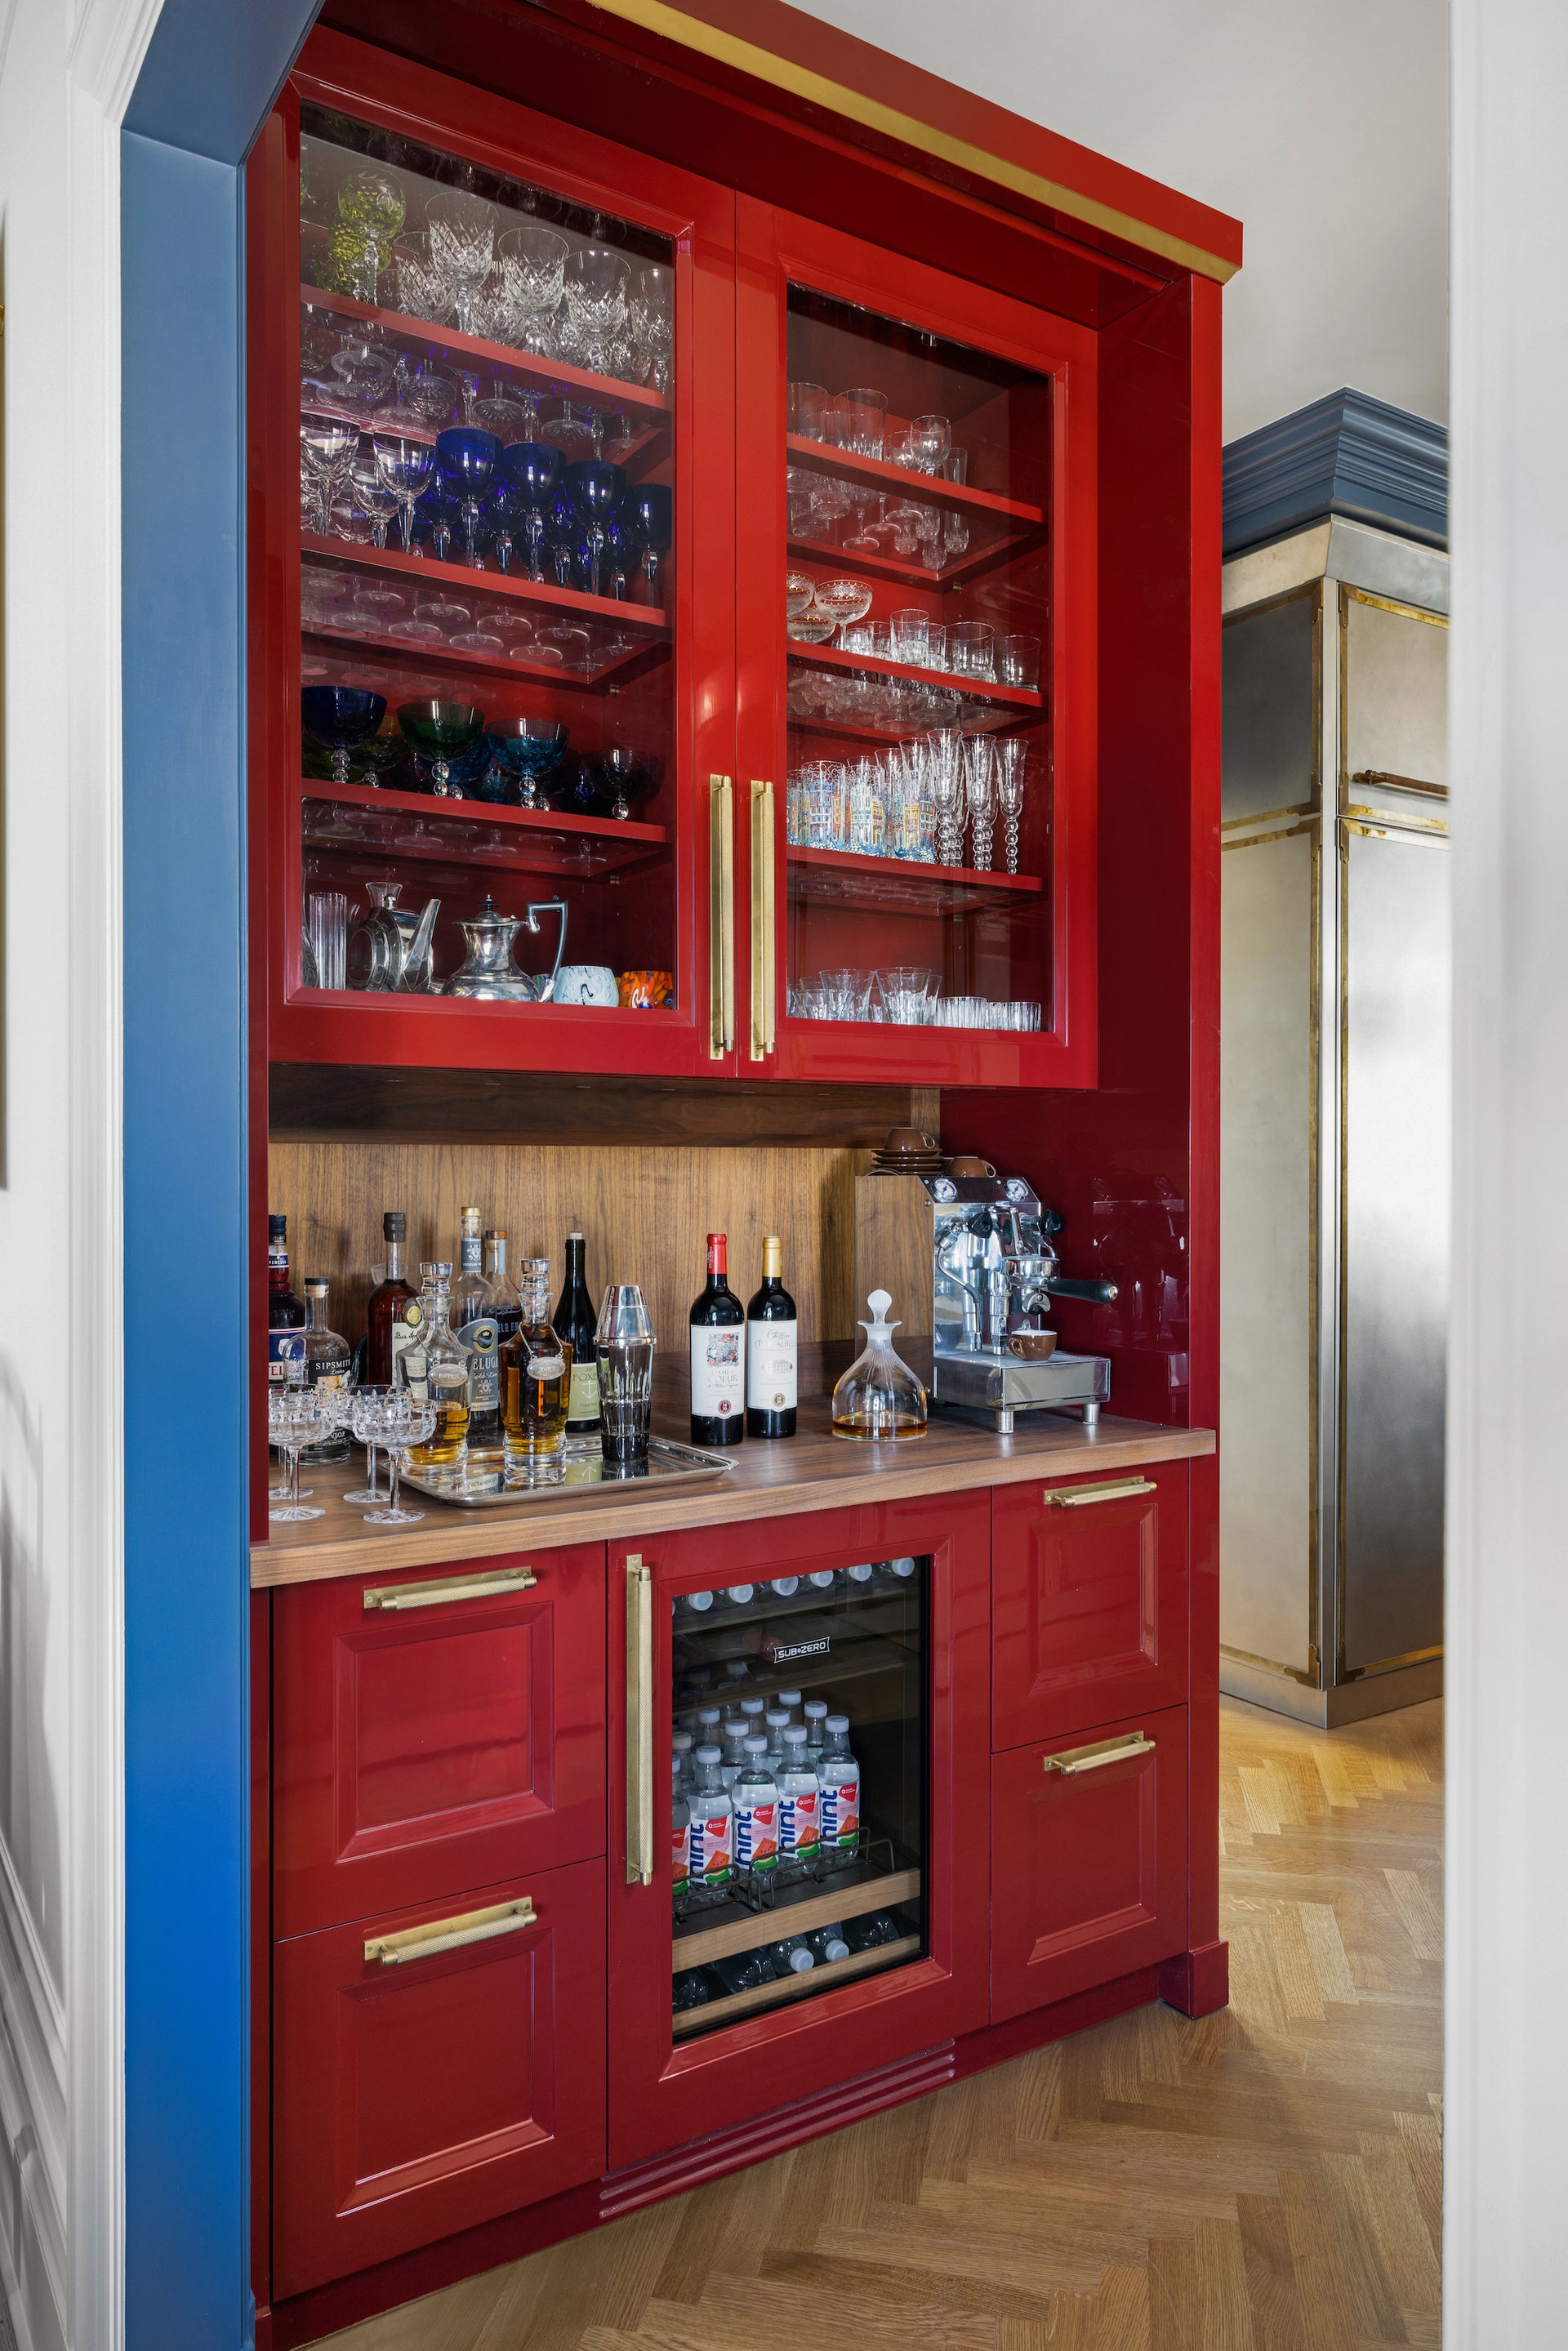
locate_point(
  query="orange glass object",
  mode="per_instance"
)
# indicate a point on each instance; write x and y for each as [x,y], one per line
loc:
[647,991]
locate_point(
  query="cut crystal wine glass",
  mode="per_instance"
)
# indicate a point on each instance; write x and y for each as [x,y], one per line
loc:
[594,281]
[396,1420]
[348,1402]
[462,230]
[327,443]
[531,261]
[296,1417]
[1011,760]
[979,787]
[404,464]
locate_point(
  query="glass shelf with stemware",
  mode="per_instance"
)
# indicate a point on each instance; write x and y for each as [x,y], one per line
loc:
[349,820]
[998,529]
[620,638]
[840,877]
[996,704]
[627,422]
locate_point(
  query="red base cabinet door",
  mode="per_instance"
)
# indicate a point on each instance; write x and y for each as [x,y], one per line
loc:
[435,1730]
[1088,1860]
[1088,1601]
[892,1635]
[437,2067]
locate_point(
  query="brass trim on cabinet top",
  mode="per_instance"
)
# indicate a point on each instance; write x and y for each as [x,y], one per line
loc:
[389,1597]
[1121,1749]
[440,1935]
[688,31]
[1306,1675]
[721,917]
[1077,1498]
[1393,604]
[1393,1665]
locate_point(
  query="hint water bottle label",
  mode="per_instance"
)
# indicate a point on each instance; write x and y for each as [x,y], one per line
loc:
[712,1848]
[757,1835]
[798,1825]
[842,1814]
[680,1854]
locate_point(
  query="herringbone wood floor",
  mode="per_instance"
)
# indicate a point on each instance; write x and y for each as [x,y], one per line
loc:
[1267,2180]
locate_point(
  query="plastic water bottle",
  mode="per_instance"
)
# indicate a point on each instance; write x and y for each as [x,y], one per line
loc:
[827,1945]
[743,1969]
[740,1592]
[857,1580]
[680,1764]
[790,1702]
[816,1737]
[841,1777]
[692,1603]
[708,1720]
[867,1934]
[712,1865]
[755,1799]
[792,1957]
[735,1730]
[799,1801]
[785,1586]
[689,1990]
[753,1708]
[777,1723]
[823,1580]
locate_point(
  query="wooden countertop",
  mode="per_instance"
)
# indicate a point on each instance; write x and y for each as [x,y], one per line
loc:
[813,1471]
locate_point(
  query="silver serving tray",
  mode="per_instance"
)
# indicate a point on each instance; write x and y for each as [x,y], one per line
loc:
[584,1473]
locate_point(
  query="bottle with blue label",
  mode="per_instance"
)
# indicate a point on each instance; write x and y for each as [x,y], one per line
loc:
[286,1314]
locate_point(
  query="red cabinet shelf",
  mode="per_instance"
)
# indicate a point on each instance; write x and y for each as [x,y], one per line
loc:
[894,883]
[1005,699]
[472,832]
[425,571]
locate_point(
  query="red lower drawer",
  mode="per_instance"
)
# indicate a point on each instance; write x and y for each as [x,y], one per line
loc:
[418,2096]
[1088,1859]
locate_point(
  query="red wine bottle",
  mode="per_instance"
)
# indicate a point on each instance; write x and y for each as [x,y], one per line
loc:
[718,1356]
[772,1329]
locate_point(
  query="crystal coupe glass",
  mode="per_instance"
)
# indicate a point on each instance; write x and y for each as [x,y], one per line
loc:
[397,1421]
[296,1417]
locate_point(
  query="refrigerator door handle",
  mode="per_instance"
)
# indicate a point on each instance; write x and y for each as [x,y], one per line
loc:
[639,1721]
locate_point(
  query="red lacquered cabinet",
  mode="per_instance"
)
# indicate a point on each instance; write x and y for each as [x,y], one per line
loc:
[435,1730]
[437,2066]
[1089,1601]
[1088,1860]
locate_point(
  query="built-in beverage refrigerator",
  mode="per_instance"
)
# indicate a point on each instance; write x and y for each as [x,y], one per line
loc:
[803,1810]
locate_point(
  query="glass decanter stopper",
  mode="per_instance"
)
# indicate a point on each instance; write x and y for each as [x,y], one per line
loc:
[879,1396]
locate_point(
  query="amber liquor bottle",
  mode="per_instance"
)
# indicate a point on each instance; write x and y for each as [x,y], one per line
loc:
[389,1326]
[536,1375]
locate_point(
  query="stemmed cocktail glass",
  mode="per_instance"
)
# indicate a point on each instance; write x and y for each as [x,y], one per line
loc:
[652,506]
[350,1398]
[404,464]
[530,473]
[341,717]
[596,489]
[462,247]
[465,458]
[397,1421]
[444,733]
[298,1417]
[327,443]
[1011,767]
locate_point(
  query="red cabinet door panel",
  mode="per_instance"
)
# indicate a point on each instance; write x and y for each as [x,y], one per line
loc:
[1088,1860]
[434,1731]
[422,2094]
[1088,1601]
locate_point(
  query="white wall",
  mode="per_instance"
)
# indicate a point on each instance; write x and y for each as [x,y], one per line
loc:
[64,75]
[1323,129]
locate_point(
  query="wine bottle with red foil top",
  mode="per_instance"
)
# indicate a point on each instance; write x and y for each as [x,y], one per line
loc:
[719,1355]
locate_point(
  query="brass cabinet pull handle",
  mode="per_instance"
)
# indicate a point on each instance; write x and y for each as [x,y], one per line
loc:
[1106,1750]
[639,1721]
[450,1934]
[1401,783]
[388,1597]
[1078,1497]
[721,917]
[764,1006]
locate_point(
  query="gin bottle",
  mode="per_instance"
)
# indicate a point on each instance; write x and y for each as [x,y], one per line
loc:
[329,1363]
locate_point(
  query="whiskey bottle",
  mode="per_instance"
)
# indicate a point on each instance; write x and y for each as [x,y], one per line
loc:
[286,1316]
[474,1318]
[433,1364]
[719,1371]
[772,1332]
[536,1371]
[574,1322]
[328,1364]
[504,1304]
[389,1326]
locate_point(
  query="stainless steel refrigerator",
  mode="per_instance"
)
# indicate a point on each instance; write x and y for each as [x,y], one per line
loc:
[1334,1122]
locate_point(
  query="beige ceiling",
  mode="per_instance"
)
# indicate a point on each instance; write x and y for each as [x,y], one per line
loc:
[1322,125]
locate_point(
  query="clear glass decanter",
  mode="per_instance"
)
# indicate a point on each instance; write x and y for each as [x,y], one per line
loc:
[879,1396]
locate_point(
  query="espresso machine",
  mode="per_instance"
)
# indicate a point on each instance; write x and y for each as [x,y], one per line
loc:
[969,1263]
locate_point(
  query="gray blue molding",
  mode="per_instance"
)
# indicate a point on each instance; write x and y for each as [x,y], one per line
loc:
[1345,454]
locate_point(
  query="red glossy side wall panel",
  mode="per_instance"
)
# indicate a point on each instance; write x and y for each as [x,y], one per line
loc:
[418,1753]
[1088,1605]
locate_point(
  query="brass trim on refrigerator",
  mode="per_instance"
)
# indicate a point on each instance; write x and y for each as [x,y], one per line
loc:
[386,1597]
[721,917]
[764,988]
[639,1721]
[1077,1498]
[450,1934]
[1104,1751]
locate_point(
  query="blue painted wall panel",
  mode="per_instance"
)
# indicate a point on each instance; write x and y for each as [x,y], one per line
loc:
[213,69]
[186,1250]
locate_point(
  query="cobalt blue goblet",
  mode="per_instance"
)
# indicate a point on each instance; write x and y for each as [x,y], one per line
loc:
[596,490]
[530,472]
[653,505]
[465,461]
[341,717]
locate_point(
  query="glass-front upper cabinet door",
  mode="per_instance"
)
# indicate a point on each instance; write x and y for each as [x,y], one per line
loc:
[917,591]
[509,341]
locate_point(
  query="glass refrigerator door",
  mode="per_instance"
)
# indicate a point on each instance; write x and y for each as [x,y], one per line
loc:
[799,1787]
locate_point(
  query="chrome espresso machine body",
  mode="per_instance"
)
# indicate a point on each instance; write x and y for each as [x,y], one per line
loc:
[968,1259]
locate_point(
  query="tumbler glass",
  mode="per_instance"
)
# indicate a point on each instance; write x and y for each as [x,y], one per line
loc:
[327,929]
[808,412]
[625,1342]
[857,421]
[912,637]
[971,649]
[1017,661]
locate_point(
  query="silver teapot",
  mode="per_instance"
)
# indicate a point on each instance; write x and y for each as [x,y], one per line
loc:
[489,971]
[389,950]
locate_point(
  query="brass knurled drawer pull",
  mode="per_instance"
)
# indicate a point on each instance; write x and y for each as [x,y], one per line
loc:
[450,1934]
[492,1585]
[1078,1497]
[1104,1751]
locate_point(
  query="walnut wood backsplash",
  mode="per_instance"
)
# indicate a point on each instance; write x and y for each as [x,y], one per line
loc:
[644,1213]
